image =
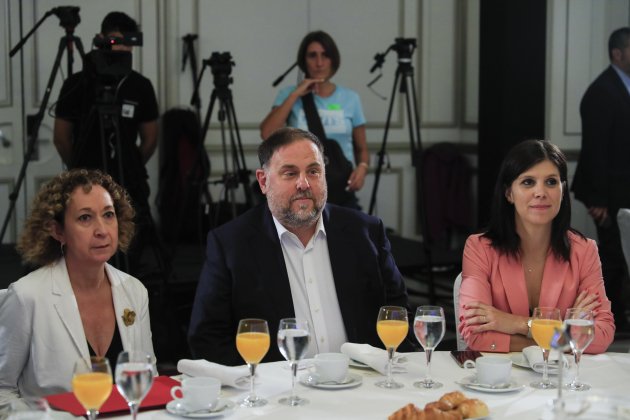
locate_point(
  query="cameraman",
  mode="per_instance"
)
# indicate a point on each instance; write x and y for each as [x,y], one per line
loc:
[77,133]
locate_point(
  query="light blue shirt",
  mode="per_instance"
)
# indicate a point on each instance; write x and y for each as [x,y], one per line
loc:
[340,113]
[624,77]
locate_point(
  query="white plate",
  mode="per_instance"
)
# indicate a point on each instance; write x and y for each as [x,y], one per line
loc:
[592,407]
[352,380]
[224,408]
[470,382]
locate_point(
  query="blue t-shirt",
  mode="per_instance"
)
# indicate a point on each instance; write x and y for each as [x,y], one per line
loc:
[340,113]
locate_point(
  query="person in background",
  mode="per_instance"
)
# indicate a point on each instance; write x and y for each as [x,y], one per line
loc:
[602,175]
[529,257]
[81,144]
[339,109]
[294,256]
[75,305]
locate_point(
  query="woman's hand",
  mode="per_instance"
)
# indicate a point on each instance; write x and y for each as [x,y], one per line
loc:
[587,301]
[357,178]
[488,318]
[308,85]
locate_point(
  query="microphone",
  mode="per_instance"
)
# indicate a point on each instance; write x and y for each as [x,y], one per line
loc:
[283,75]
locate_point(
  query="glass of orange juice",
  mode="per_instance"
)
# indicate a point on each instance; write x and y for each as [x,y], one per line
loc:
[392,326]
[252,343]
[545,321]
[92,383]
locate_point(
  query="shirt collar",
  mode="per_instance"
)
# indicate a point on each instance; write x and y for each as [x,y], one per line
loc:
[623,76]
[281,229]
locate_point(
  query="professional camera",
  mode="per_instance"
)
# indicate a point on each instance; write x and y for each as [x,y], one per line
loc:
[221,65]
[130,39]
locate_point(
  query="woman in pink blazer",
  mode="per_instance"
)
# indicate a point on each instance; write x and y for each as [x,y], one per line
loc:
[529,257]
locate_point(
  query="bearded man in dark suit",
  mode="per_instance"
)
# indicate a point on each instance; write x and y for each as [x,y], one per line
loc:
[602,177]
[294,256]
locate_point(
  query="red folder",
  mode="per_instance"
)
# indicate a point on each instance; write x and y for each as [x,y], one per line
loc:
[159,395]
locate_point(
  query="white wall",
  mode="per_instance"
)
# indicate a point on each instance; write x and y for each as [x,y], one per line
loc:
[263,35]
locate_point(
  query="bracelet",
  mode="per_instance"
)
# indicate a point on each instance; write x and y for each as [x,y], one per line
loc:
[364,164]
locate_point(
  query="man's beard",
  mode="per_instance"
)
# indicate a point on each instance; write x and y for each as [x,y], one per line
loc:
[303,217]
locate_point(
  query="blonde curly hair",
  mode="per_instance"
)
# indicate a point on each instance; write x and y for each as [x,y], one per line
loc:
[36,244]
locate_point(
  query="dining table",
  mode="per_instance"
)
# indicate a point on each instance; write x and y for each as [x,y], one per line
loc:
[608,374]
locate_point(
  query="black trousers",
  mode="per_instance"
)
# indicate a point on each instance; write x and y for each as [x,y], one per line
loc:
[614,267]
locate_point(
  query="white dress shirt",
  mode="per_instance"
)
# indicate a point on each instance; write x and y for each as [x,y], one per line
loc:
[313,288]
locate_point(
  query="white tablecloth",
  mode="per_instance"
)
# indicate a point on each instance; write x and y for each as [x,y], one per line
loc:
[608,374]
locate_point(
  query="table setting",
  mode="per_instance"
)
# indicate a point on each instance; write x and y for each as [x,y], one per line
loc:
[382,383]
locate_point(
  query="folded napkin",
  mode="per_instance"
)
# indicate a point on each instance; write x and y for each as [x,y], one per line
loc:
[234,376]
[533,355]
[373,357]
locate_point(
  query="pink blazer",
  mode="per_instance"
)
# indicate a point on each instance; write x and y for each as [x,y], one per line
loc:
[499,280]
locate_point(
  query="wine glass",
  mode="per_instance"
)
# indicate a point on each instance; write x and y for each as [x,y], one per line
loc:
[429,326]
[134,377]
[580,327]
[545,321]
[392,326]
[92,383]
[252,343]
[293,339]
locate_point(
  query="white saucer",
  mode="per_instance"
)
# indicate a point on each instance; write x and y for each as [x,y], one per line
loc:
[519,359]
[470,382]
[224,407]
[351,381]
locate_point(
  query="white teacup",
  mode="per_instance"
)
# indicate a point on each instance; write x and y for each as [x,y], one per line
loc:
[198,393]
[331,367]
[491,370]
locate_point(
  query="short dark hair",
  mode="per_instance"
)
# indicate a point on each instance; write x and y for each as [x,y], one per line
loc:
[326,42]
[283,137]
[118,22]
[502,227]
[618,40]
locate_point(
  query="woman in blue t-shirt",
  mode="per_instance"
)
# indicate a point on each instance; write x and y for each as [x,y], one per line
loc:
[339,108]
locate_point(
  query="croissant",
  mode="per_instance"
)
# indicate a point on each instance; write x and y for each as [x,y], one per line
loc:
[451,400]
[473,408]
[408,412]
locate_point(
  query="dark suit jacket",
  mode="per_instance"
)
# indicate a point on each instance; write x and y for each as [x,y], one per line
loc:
[244,276]
[602,177]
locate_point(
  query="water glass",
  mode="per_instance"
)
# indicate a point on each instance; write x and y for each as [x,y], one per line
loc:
[252,343]
[293,339]
[580,327]
[134,377]
[429,326]
[392,326]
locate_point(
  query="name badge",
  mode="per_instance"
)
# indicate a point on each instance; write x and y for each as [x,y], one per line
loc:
[128,110]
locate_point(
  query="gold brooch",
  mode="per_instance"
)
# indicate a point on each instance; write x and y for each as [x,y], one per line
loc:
[128,317]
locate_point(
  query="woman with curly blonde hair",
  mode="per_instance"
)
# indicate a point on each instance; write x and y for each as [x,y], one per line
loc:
[76,304]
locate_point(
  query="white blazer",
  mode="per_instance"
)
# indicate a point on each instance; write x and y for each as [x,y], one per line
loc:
[41,333]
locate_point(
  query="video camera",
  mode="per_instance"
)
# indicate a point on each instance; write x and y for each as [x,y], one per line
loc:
[221,65]
[131,39]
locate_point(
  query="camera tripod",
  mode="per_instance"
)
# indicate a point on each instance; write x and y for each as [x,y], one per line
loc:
[404,83]
[69,19]
[105,72]
[221,66]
